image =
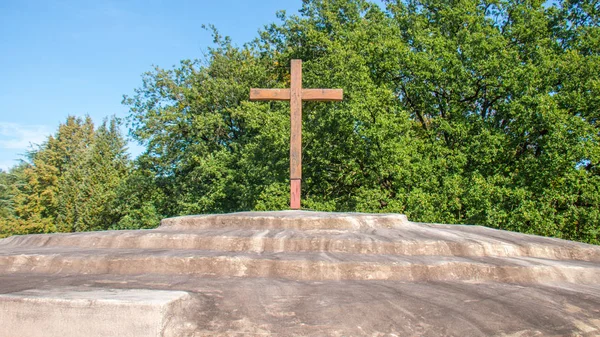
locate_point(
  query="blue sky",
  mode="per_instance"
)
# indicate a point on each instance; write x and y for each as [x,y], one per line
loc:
[60,58]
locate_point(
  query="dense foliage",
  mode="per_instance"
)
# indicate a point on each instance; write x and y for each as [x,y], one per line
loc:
[456,111]
[75,181]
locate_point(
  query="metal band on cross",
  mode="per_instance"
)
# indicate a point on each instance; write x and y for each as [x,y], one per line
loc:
[295,94]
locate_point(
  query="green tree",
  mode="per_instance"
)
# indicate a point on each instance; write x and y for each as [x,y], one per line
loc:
[137,200]
[457,111]
[37,203]
[202,142]
[493,83]
[7,183]
[89,184]
[10,182]
[70,182]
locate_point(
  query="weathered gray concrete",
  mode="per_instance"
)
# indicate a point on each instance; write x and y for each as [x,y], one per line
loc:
[77,311]
[299,273]
[286,220]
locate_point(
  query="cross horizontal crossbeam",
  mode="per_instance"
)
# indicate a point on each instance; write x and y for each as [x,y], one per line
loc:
[307,94]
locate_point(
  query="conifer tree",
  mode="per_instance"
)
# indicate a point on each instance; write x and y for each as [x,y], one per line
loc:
[71,181]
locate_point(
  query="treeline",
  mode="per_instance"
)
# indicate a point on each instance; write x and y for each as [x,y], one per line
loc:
[80,179]
[455,111]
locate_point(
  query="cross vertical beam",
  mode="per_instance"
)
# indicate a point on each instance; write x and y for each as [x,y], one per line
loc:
[296,133]
[295,94]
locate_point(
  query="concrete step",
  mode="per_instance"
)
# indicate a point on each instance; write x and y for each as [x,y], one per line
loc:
[273,307]
[295,266]
[85,311]
[413,240]
[303,220]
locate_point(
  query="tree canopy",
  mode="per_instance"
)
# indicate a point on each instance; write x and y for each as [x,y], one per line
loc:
[75,181]
[455,111]
[480,112]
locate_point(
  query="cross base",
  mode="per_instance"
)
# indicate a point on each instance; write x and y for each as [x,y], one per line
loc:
[295,193]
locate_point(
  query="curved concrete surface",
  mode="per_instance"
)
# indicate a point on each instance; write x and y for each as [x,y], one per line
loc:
[298,273]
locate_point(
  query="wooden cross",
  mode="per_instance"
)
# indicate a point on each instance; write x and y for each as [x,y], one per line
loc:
[295,94]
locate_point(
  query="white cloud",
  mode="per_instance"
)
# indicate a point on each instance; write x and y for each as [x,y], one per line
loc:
[15,136]
[5,165]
